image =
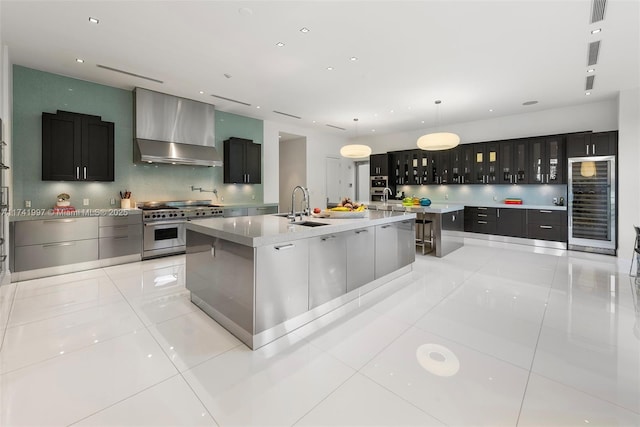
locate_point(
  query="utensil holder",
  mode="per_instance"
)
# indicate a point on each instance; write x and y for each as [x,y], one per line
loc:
[125,203]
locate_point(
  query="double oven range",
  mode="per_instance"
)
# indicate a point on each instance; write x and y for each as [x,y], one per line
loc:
[164,224]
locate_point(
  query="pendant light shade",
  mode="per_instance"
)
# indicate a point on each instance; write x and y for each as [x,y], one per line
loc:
[588,169]
[355,151]
[439,140]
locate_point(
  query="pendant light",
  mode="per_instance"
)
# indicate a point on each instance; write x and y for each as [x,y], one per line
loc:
[355,151]
[438,140]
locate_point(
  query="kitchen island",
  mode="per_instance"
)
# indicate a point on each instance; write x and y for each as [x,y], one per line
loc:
[447,222]
[261,277]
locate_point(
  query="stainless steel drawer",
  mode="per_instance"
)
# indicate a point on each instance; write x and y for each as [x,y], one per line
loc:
[108,221]
[54,254]
[121,230]
[115,246]
[55,230]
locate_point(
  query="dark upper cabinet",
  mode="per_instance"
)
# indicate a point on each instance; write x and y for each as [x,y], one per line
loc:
[77,147]
[421,170]
[592,144]
[242,161]
[513,155]
[547,160]
[442,167]
[379,165]
[400,165]
[485,163]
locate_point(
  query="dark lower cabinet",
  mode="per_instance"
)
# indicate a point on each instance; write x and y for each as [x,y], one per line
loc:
[511,222]
[77,147]
[545,224]
[480,220]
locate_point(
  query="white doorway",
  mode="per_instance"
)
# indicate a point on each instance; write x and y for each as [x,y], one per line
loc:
[362,182]
[293,167]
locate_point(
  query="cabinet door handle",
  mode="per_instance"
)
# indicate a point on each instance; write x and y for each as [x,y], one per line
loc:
[482,222]
[544,211]
[284,247]
[361,231]
[546,226]
[58,220]
[587,149]
[85,172]
[77,172]
[593,149]
[498,212]
[385,226]
[52,245]
[327,238]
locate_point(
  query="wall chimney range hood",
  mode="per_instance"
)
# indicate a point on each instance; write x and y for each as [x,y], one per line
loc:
[173,130]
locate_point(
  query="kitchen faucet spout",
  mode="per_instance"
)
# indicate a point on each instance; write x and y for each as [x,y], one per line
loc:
[385,197]
[305,197]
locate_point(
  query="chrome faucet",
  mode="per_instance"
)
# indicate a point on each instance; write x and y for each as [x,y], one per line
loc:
[385,197]
[305,197]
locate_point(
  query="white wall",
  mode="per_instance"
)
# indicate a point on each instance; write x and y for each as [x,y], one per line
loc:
[320,144]
[628,175]
[293,169]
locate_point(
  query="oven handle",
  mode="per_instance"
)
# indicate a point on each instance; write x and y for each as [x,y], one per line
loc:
[150,224]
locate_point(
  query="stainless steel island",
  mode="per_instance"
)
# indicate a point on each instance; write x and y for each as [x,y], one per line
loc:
[261,277]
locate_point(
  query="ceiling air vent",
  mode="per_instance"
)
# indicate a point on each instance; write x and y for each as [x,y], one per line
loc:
[594,49]
[286,114]
[232,100]
[597,10]
[589,84]
[129,74]
[335,127]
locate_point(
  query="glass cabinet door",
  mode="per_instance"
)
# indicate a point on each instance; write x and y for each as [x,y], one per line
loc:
[491,163]
[520,162]
[505,174]
[537,162]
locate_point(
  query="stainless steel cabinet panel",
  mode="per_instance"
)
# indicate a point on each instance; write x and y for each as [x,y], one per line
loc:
[360,257]
[121,231]
[55,230]
[386,250]
[54,254]
[230,212]
[115,246]
[262,210]
[327,268]
[406,234]
[109,221]
[282,283]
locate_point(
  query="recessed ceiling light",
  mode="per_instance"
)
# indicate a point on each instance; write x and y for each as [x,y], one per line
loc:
[373,130]
[304,30]
[201,92]
[245,11]
[257,106]
[330,68]
[596,31]
[354,58]
[79,60]
[279,44]
[529,102]
[491,110]
[588,93]
[591,70]
[94,20]
[391,111]
[422,122]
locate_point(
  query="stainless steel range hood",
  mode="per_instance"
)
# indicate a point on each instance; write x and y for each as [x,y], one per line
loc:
[173,130]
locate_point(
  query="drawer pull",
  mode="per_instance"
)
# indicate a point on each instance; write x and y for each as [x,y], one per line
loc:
[546,226]
[482,209]
[361,231]
[327,238]
[58,220]
[284,247]
[385,226]
[482,222]
[544,211]
[53,245]
[482,215]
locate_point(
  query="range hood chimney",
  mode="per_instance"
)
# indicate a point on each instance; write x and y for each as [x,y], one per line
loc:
[173,130]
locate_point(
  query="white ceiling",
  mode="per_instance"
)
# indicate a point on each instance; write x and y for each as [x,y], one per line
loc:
[473,55]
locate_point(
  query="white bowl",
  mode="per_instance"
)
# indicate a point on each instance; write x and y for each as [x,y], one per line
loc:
[63,203]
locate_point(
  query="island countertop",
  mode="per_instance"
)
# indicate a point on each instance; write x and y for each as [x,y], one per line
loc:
[262,230]
[433,208]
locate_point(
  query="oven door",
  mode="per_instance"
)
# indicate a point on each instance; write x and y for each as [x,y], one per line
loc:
[163,238]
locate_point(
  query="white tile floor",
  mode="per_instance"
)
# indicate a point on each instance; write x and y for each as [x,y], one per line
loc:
[492,334]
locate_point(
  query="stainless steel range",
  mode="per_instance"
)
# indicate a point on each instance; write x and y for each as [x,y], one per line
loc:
[164,224]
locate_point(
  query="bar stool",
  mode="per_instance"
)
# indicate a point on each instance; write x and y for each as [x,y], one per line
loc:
[421,237]
[636,252]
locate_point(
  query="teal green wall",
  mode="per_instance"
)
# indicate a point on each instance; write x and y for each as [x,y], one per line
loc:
[35,92]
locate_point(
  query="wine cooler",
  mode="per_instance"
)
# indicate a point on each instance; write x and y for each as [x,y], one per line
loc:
[592,204]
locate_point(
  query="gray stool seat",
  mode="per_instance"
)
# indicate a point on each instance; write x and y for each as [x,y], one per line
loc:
[422,238]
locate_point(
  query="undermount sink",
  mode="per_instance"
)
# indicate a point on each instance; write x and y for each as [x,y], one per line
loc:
[284,215]
[309,223]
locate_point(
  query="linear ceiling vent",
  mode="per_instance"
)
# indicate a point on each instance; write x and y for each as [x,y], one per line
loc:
[589,84]
[597,10]
[286,114]
[336,127]
[594,50]
[232,100]
[151,79]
